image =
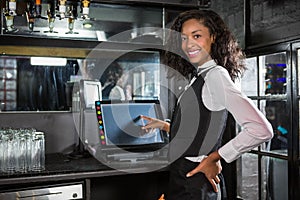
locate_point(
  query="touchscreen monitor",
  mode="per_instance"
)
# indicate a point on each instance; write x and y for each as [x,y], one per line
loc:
[119,124]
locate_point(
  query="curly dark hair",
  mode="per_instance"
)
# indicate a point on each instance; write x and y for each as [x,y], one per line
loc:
[224,51]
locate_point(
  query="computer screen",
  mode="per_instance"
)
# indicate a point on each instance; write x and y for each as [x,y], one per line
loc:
[120,123]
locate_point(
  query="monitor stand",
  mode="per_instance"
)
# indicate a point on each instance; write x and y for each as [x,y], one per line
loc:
[79,152]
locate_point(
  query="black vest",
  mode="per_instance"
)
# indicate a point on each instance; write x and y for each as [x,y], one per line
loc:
[106,91]
[195,130]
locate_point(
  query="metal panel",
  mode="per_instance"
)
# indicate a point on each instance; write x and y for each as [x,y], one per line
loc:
[47,193]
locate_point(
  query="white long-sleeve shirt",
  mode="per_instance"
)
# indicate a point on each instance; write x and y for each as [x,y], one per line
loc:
[219,92]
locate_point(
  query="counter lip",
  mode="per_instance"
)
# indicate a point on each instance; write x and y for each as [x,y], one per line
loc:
[74,176]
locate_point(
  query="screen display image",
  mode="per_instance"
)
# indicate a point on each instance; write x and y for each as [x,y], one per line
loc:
[120,124]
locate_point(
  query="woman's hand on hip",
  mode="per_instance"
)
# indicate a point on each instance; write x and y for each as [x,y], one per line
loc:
[211,167]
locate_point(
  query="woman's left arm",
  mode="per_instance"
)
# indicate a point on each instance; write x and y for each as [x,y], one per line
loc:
[255,128]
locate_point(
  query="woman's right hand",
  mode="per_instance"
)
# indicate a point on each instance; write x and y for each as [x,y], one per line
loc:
[162,197]
[155,123]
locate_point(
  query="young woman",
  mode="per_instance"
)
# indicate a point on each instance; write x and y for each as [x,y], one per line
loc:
[200,114]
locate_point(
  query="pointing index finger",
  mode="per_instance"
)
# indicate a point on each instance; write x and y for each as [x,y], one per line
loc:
[145,117]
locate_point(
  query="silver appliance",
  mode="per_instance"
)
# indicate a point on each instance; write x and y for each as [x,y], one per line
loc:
[54,192]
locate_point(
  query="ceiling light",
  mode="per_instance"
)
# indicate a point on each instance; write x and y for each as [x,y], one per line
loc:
[87,25]
[48,61]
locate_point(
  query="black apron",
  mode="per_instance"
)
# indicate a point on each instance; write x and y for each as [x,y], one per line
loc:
[194,131]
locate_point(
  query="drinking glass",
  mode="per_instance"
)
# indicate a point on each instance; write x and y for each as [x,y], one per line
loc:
[9,151]
[21,152]
[38,151]
[1,150]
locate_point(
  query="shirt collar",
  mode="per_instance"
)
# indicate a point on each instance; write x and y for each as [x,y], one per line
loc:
[206,66]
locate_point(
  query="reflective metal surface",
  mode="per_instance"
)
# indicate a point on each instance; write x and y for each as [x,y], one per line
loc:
[48,193]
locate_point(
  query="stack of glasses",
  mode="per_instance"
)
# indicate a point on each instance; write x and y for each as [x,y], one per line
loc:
[21,150]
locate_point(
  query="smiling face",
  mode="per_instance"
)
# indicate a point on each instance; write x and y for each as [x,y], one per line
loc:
[196,41]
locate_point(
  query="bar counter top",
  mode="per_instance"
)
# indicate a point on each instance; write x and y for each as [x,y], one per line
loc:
[61,167]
